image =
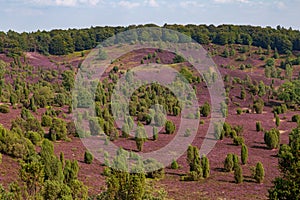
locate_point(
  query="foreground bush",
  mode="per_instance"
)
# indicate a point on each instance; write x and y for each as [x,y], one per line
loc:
[88,157]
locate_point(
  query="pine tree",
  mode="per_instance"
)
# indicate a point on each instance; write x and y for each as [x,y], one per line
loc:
[235,159]
[238,173]
[258,126]
[244,154]
[155,133]
[277,121]
[170,127]
[174,164]
[272,138]
[205,166]
[125,130]
[259,172]
[88,157]
[229,164]
[140,136]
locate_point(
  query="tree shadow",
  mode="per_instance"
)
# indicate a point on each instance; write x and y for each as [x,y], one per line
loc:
[259,147]
[259,142]
[176,174]
[219,169]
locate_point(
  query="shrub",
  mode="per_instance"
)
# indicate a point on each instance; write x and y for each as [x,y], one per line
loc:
[88,157]
[238,129]
[229,164]
[140,137]
[296,118]
[174,164]
[258,106]
[277,121]
[238,140]
[258,126]
[187,132]
[155,133]
[125,130]
[205,109]
[34,137]
[235,159]
[239,111]
[259,172]
[176,110]
[244,154]
[58,129]
[243,94]
[4,108]
[205,166]
[159,119]
[170,127]
[272,138]
[227,129]
[46,120]
[238,173]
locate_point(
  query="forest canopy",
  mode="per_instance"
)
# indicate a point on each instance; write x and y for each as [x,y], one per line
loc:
[62,42]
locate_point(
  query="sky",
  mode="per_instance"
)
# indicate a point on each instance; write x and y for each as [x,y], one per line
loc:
[32,15]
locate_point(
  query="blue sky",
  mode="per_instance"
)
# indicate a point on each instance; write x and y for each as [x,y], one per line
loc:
[31,15]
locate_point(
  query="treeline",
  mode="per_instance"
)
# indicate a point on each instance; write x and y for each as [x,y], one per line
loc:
[61,42]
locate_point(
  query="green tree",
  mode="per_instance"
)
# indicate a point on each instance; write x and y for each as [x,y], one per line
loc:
[205,109]
[259,172]
[243,94]
[32,174]
[272,138]
[125,130]
[68,79]
[229,164]
[258,126]
[238,173]
[170,127]
[277,121]
[58,129]
[174,165]
[205,166]
[287,185]
[88,157]
[244,154]
[140,137]
[155,133]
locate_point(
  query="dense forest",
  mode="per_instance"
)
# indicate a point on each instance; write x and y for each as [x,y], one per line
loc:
[61,42]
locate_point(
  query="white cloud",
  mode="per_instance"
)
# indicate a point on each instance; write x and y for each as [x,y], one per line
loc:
[90,2]
[152,3]
[67,3]
[128,4]
[186,4]
[281,5]
[231,1]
